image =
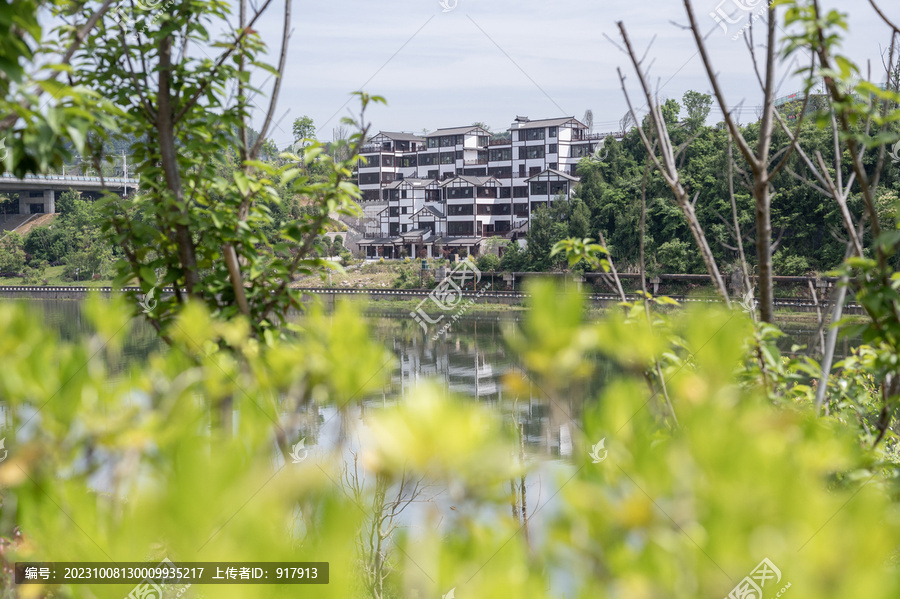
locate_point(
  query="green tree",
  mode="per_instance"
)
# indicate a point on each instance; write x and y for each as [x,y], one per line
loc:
[66,201]
[580,221]
[514,259]
[304,129]
[697,106]
[12,253]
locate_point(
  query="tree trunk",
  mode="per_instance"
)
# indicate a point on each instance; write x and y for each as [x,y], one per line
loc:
[764,251]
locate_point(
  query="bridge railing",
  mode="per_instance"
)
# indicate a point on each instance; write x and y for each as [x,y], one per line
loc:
[72,178]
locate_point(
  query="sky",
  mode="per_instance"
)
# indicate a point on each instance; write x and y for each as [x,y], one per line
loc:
[452,64]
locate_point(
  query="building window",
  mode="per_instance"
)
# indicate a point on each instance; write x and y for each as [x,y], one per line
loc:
[432,195]
[520,209]
[369,178]
[552,131]
[534,170]
[371,161]
[521,170]
[459,154]
[433,142]
[387,160]
[403,228]
[554,166]
[433,174]
[521,136]
[460,210]
[505,193]
[484,208]
[447,158]
[552,149]
[557,187]
[428,159]
[520,191]
[462,229]
[534,151]
[581,151]
[393,211]
[447,141]
[455,193]
[533,134]
[460,140]
[502,154]
[403,210]
[536,205]
[539,188]
[403,196]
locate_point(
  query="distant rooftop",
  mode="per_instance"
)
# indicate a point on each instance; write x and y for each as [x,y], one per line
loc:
[399,136]
[457,131]
[526,123]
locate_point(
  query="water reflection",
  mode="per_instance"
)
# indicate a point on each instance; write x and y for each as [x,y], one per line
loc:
[469,361]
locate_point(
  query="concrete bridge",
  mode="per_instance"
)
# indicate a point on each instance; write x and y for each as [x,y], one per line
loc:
[37,193]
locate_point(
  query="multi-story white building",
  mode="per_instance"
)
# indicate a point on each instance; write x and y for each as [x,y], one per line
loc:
[451,189]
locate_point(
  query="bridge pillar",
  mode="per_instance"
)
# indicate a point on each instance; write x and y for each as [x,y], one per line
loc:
[47,199]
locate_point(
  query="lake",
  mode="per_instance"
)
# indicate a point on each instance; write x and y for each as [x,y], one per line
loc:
[470,361]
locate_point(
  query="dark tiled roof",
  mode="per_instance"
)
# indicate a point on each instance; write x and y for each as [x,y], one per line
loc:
[559,174]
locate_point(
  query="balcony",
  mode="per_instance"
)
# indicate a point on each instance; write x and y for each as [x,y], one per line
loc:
[373,149]
[601,136]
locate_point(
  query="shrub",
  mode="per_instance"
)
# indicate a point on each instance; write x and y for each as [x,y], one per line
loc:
[787,264]
[678,257]
[34,273]
[488,262]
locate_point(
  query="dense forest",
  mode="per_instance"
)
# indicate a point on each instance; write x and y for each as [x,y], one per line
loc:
[806,224]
